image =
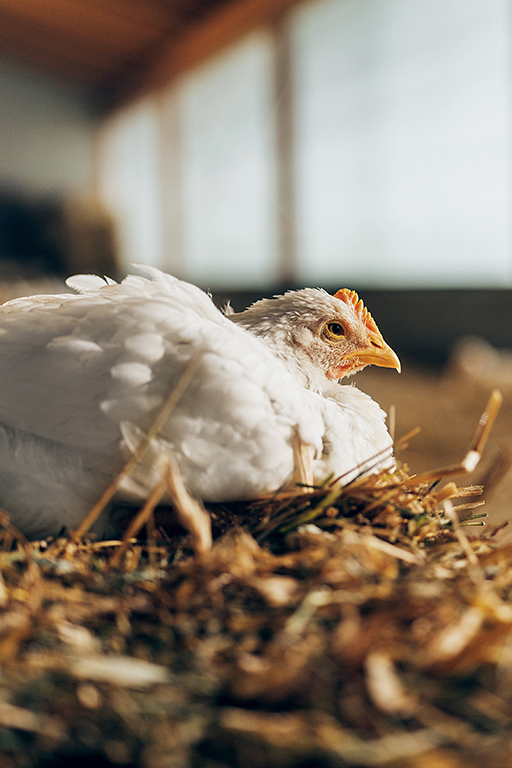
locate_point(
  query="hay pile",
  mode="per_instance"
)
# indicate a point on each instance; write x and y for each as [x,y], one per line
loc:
[363,626]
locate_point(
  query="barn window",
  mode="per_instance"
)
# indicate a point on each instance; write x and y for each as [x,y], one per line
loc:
[403,142]
[228,167]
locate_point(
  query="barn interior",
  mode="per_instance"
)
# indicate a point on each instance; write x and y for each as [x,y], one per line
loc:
[256,146]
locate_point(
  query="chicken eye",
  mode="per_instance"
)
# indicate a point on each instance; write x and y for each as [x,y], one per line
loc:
[334,331]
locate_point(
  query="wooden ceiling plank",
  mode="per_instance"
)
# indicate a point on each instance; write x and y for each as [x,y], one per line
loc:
[159,15]
[61,67]
[192,10]
[25,37]
[83,21]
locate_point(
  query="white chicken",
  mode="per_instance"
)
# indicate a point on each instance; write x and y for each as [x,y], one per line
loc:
[83,377]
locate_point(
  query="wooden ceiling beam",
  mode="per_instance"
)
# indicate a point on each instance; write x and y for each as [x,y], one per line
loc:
[88,22]
[221,27]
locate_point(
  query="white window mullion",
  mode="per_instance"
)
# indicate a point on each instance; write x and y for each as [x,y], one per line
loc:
[128,181]
[171,180]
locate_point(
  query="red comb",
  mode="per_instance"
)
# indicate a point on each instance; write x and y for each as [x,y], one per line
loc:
[351,298]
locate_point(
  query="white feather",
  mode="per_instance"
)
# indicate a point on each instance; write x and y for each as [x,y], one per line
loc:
[132,374]
[86,283]
[70,344]
[84,376]
[149,346]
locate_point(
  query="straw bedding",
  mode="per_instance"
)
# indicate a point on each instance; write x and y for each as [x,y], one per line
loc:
[362,626]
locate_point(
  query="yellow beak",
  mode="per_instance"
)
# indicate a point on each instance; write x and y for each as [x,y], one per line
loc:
[379,354]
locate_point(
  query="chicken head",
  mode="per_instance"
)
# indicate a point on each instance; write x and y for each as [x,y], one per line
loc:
[322,338]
